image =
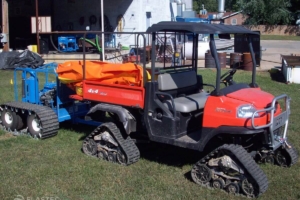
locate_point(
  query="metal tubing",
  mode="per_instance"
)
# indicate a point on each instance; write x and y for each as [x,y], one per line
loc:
[165,47]
[213,50]
[196,53]
[144,57]
[37,25]
[102,29]
[83,46]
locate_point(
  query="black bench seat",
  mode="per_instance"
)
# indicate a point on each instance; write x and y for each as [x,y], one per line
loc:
[191,99]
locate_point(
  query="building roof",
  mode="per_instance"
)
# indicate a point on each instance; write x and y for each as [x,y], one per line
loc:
[201,28]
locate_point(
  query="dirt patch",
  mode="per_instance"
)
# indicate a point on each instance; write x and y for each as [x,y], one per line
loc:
[6,136]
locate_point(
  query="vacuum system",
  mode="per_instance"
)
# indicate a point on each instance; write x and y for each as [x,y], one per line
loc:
[185,8]
[221,10]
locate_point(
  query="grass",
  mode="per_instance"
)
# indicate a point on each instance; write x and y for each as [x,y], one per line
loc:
[279,37]
[56,167]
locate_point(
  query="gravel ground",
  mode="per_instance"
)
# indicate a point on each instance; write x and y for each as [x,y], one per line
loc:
[274,48]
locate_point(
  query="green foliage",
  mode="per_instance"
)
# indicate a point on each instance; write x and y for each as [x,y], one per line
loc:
[266,12]
[261,12]
[232,6]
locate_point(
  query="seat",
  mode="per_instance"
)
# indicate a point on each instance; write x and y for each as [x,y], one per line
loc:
[183,87]
[188,103]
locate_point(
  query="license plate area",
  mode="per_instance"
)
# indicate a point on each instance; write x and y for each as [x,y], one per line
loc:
[280,120]
[278,133]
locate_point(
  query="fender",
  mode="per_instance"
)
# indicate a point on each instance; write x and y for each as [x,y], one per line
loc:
[210,133]
[127,119]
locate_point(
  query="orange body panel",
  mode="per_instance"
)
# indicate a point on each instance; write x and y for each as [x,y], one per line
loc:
[222,110]
[114,93]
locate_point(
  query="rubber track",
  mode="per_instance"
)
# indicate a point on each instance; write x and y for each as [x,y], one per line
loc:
[130,149]
[248,164]
[47,116]
[292,152]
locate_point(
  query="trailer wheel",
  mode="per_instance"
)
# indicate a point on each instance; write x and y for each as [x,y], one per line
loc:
[9,119]
[34,125]
[20,121]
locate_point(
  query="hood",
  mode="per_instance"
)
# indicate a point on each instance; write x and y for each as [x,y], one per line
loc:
[255,96]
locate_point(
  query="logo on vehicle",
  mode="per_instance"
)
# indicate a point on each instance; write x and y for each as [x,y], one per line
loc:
[223,110]
[93,91]
[96,91]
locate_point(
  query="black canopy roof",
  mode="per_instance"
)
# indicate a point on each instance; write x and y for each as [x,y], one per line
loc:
[201,28]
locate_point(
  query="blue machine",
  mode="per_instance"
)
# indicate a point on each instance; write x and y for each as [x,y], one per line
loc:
[67,44]
[41,86]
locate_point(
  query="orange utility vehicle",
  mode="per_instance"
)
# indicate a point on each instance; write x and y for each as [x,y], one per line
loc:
[234,125]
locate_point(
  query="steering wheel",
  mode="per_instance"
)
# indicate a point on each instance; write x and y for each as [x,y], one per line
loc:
[227,77]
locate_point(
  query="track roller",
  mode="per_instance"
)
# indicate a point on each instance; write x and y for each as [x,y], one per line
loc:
[9,119]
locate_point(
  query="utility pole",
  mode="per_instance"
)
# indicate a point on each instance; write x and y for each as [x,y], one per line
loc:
[37,25]
[5,27]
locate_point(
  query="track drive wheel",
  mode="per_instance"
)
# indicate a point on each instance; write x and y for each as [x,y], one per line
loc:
[34,125]
[201,174]
[89,147]
[286,157]
[247,188]
[121,159]
[9,119]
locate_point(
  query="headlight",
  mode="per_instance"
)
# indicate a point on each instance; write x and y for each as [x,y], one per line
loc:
[246,111]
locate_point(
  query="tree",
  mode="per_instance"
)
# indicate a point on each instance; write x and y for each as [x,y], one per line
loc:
[266,12]
[295,9]
[232,6]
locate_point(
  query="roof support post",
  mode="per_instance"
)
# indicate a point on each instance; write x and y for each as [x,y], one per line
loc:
[213,50]
[196,52]
[253,83]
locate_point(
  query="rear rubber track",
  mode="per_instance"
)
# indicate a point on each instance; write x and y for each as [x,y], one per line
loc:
[244,160]
[48,118]
[127,145]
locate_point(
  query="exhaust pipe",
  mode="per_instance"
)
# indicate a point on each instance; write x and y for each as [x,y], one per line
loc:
[221,10]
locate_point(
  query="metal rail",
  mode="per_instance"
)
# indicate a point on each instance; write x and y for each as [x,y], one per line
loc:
[275,121]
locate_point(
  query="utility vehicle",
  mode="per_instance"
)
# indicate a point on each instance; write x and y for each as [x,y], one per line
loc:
[235,124]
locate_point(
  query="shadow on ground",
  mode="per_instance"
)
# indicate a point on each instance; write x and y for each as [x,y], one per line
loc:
[277,76]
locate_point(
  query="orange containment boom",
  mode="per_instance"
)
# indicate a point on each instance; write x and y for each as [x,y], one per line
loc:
[105,82]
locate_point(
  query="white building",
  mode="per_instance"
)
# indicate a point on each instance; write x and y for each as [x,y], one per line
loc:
[121,15]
